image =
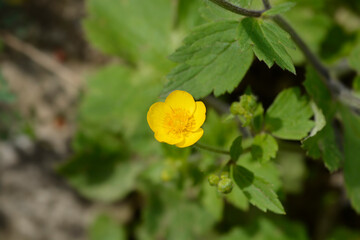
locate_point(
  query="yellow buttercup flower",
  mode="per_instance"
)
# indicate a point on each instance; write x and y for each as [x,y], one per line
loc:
[178,120]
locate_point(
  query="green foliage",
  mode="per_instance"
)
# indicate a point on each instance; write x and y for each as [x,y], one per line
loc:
[137,30]
[115,152]
[105,228]
[323,143]
[236,148]
[257,190]
[354,58]
[99,169]
[289,115]
[264,147]
[352,152]
[264,229]
[204,61]
[269,42]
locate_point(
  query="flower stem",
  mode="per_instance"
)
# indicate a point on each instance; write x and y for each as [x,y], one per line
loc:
[211,149]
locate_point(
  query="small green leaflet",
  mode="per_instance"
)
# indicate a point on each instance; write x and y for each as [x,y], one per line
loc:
[269,42]
[258,191]
[351,124]
[212,59]
[264,148]
[289,115]
[281,8]
[236,148]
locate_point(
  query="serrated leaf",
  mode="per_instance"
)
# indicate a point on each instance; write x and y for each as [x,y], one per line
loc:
[289,115]
[105,228]
[351,123]
[258,191]
[281,8]
[264,148]
[212,59]
[236,148]
[323,143]
[269,42]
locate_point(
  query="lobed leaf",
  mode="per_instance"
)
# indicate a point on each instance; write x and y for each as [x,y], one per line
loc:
[258,191]
[269,42]
[212,59]
[289,115]
[264,147]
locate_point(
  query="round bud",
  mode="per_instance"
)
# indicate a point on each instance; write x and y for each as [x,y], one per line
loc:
[213,180]
[225,185]
[224,175]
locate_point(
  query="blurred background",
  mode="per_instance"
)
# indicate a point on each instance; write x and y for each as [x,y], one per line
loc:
[78,161]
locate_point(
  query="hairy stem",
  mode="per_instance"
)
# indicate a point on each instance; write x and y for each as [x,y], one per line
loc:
[238,10]
[211,149]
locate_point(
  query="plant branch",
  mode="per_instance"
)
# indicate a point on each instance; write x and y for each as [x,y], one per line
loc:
[267,4]
[238,10]
[211,149]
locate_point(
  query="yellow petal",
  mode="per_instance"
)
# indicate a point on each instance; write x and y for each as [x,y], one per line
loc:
[156,115]
[181,99]
[191,138]
[162,135]
[199,115]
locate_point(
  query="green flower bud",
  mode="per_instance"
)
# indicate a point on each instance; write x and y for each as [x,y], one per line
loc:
[224,175]
[245,108]
[213,180]
[225,185]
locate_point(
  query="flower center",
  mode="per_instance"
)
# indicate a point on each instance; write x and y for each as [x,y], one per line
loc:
[179,121]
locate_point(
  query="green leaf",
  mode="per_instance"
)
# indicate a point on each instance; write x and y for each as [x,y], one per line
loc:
[105,228]
[265,229]
[351,123]
[236,148]
[100,168]
[238,198]
[289,115]
[320,120]
[212,59]
[136,29]
[322,143]
[103,105]
[354,58]
[257,190]
[269,42]
[281,8]
[264,148]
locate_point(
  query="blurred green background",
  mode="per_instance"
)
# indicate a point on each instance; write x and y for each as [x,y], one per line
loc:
[78,160]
